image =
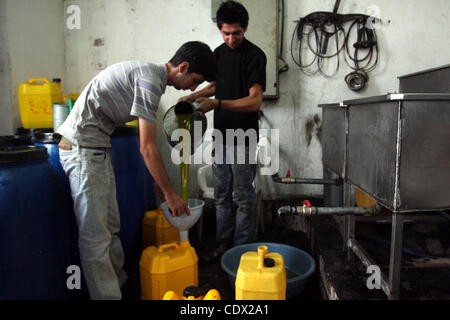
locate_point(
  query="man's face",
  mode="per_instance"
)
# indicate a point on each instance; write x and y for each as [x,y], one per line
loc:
[233,34]
[185,80]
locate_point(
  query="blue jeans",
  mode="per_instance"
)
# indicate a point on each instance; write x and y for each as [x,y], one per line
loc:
[93,189]
[234,182]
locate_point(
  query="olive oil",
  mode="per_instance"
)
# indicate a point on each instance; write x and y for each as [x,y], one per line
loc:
[184,122]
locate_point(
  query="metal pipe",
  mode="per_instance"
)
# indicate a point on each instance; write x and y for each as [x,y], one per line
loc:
[346,210]
[282,211]
[311,211]
[288,180]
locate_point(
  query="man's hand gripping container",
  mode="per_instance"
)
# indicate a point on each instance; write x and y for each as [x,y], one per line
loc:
[261,276]
[171,266]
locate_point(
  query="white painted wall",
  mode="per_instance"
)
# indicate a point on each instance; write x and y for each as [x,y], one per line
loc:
[6,122]
[152,30]
[414,40]
[35,46]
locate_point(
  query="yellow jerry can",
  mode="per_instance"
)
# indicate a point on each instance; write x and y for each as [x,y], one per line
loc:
[156,230]
[171,266]
[36,98]
[261,276]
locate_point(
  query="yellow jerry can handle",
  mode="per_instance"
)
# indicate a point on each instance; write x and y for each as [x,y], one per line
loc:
[32,80]
[168,245]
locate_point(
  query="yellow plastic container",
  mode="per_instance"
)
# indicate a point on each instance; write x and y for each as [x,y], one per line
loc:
[170,267]
[261,276]
[212,294]
[156,230]
[35,102]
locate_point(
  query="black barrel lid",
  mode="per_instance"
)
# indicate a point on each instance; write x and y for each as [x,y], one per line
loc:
[124,131]
[14,141]
[47,138]
[33,131]
[191,291]
[22,154]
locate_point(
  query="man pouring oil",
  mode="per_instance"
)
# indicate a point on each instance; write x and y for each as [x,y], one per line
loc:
[119,94]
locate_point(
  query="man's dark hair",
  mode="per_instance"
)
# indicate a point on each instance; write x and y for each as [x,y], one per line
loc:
[232,12]
[200,58]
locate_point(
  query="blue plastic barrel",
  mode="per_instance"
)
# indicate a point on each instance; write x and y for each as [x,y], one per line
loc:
[135,193]
[50,141]
[35,243]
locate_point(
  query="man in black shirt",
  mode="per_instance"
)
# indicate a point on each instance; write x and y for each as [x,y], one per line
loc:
[238,90]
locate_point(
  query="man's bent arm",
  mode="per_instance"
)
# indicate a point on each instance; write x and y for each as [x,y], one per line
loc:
[153,161]
[251,103]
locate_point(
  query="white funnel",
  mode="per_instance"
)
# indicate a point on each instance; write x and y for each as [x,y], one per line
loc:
[184,223]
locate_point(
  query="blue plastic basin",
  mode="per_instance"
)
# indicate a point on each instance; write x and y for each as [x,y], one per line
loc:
[296,261]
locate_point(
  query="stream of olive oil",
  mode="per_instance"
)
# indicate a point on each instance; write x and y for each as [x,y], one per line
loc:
[184,122]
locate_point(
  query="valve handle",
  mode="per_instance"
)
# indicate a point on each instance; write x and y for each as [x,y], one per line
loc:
[307,204]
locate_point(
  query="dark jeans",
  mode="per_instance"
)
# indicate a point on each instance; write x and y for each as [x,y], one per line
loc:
[235,182]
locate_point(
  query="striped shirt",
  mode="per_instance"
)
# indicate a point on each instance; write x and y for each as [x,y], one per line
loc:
[119,94]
